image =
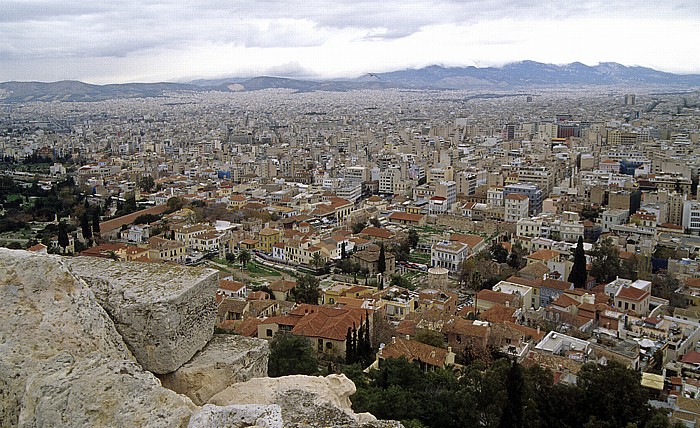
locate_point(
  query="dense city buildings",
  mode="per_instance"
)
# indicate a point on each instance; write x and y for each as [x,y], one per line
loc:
[453,214]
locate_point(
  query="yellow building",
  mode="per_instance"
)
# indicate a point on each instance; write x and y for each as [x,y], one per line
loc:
[267,238]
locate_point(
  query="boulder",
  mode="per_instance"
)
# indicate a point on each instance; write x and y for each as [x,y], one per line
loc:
[238,416]
[61,358]
[225,360]
[305,401]
[165,313]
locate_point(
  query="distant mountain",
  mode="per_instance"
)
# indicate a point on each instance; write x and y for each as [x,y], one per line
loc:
[518,75]
[530,73]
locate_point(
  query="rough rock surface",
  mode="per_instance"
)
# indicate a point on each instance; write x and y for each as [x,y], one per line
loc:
[238,416]
[62,362]
[305,401]
[225,360]
[164,313]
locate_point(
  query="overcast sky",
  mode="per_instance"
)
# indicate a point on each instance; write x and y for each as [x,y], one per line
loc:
[178,40]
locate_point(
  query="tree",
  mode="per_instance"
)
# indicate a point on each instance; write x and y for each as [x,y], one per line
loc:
[374,221]
[578,274]
[343,254]
[85,227]
[513,411]
[381,262]
[63,239]
[147,183]
[413,238]
[350,352]
[430,337]
[244,257]
[605,266]
[498,253]
[290,355]
[96,223]
[316,260]
[357,227]
[306,290]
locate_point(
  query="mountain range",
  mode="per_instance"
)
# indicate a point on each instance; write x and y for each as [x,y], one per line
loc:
[521,75]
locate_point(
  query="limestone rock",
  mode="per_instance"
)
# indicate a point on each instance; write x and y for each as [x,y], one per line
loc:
[61,356]
[100,391]
[164,313]
[305,401]
[238,416]
[225,360]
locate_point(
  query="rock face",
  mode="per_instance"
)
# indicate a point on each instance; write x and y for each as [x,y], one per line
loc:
[62,362]
[238,416]
[225,360]
[164,313]
[305,401]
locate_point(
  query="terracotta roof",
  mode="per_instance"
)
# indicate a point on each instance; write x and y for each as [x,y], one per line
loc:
[282,285]
[691,357]
[495,296]
[544,255]
[377,232]
[460,326]
[234,286]
[401,216]
[516,196]
[471,240]
[108,226]
[326,323]
[413,350]
[556,284]
[632,293]
[498,314]
[564,301]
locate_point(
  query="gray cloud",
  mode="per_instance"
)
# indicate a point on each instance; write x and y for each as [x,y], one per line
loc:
[92,31]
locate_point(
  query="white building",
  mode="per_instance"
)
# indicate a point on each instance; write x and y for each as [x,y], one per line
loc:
[516,207]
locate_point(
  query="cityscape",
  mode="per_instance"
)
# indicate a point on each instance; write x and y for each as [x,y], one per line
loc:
[428,243]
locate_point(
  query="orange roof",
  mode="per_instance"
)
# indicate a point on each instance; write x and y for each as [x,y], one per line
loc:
[107,226]
[326,323]
[495,296]
[413,350]
[544,255]
[498,314]
[632,293]
[234,286]
[401,216]
[377,232]
[471,240]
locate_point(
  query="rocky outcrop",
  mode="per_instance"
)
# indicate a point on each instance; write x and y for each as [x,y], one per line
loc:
[238,416]
[62,362]
[225,360]
[305,401]
[164,313]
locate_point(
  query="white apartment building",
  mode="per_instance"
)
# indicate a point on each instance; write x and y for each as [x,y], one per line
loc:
[449,254]
[516,207]
[691,216]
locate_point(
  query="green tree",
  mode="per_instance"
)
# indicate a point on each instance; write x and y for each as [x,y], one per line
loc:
[430,337]
[96,222]
[498,253]
[85,227]
[357,227]
[306,290]
[244,257]
[413,238]
[605,266]
[290,355]
[381,262]
[343,253]
[147,183]
[578,274]
[512,416]
[63,239]
[374,221]
[316,260]
[350,348]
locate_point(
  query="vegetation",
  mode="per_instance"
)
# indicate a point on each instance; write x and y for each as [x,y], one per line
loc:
[306,290]
[290,355]
[605,266]
[503,394]
[578,274]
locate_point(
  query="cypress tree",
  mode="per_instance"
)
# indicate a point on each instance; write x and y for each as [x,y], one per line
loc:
[85,226]
[63,239]
[343,254]
[349,357]
[354,342]
[578,274]
[96,223]
[381,262]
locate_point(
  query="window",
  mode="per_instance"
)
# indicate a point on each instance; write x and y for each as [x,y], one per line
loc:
[268,333]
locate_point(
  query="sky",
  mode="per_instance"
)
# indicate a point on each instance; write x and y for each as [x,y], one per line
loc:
[120,41]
